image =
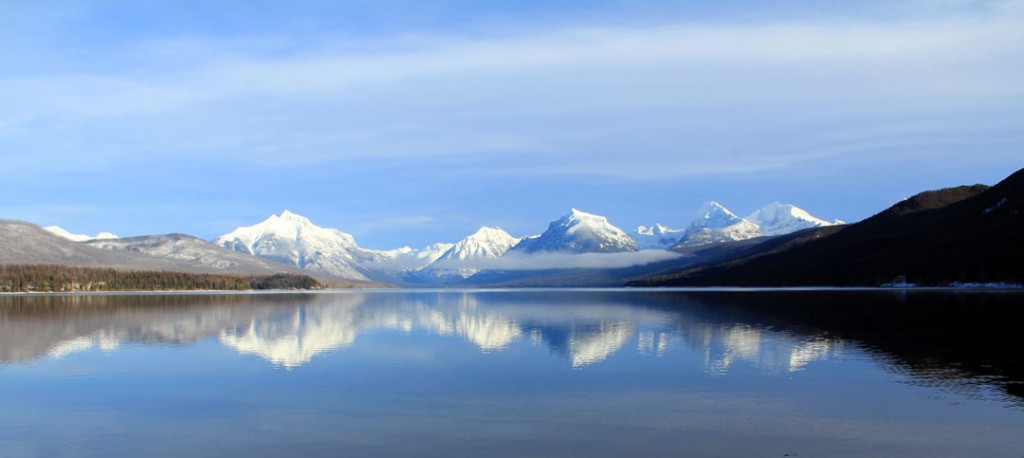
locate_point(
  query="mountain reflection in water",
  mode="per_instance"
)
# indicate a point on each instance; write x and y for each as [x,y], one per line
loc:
[949,340]
[291,330]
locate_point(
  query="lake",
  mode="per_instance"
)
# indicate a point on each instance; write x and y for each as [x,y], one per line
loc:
[514,373]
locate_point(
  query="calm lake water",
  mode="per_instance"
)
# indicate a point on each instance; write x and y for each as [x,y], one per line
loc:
[514,373]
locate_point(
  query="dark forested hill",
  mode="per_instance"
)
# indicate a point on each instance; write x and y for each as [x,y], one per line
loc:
[53,278]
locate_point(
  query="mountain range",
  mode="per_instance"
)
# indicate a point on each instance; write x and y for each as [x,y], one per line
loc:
[28,244]
[965,235]
[295,240]
[714,223]
[937,237]
[291,243]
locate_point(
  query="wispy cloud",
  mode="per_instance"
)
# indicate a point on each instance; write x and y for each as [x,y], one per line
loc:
[361,124]
[539,261]
[582,94]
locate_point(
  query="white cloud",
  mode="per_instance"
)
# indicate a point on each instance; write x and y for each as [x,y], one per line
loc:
[538,261]
[679,100]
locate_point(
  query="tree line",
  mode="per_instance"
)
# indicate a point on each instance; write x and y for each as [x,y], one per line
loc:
[53,278]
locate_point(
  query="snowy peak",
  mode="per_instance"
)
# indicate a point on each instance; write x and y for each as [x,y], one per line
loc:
[287,215]
[577,220]
[713,215]
[657,229]
[287,226]
[486,233]
[487,242]
[657,237]
[579,215]
[456,262]
[777,219]
[60,232]
[580,221]
[579,232]
[430,253]
[713,223]
[294,239]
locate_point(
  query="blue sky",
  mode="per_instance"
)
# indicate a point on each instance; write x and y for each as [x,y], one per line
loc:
[407,123]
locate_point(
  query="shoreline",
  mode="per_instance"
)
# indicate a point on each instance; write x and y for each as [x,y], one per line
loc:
[964,288]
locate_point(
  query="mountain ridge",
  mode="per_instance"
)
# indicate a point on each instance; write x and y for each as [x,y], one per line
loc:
[713,223]
[961,235]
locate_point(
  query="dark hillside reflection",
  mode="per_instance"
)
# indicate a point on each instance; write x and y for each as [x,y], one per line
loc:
[957,341]
[947,340]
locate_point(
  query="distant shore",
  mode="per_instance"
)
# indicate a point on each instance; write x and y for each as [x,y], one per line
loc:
[34,279]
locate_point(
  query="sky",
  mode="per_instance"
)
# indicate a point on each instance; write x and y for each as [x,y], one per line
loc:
[409,123]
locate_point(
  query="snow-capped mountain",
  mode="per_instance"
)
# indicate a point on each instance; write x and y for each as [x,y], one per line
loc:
[294,239]
[777,219]
[578,232]
[715,224]
[431,253]
[59,231]
[658,237]
[487,242]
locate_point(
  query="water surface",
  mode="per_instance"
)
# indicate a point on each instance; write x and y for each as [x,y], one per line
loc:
[513,373]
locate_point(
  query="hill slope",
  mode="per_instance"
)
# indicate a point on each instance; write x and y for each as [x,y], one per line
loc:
[194,254]
[25,243]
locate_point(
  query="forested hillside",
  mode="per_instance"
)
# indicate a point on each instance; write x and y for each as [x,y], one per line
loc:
[51,278]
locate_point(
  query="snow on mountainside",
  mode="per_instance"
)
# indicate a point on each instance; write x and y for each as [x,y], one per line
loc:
[431,253]
[302,246]
[657,237]
[712,215]
[59,231]
[407,259]
[195,253]
[25,243]
[715,224]
[578,232]
[487,242]
[295,240]
[778,219]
